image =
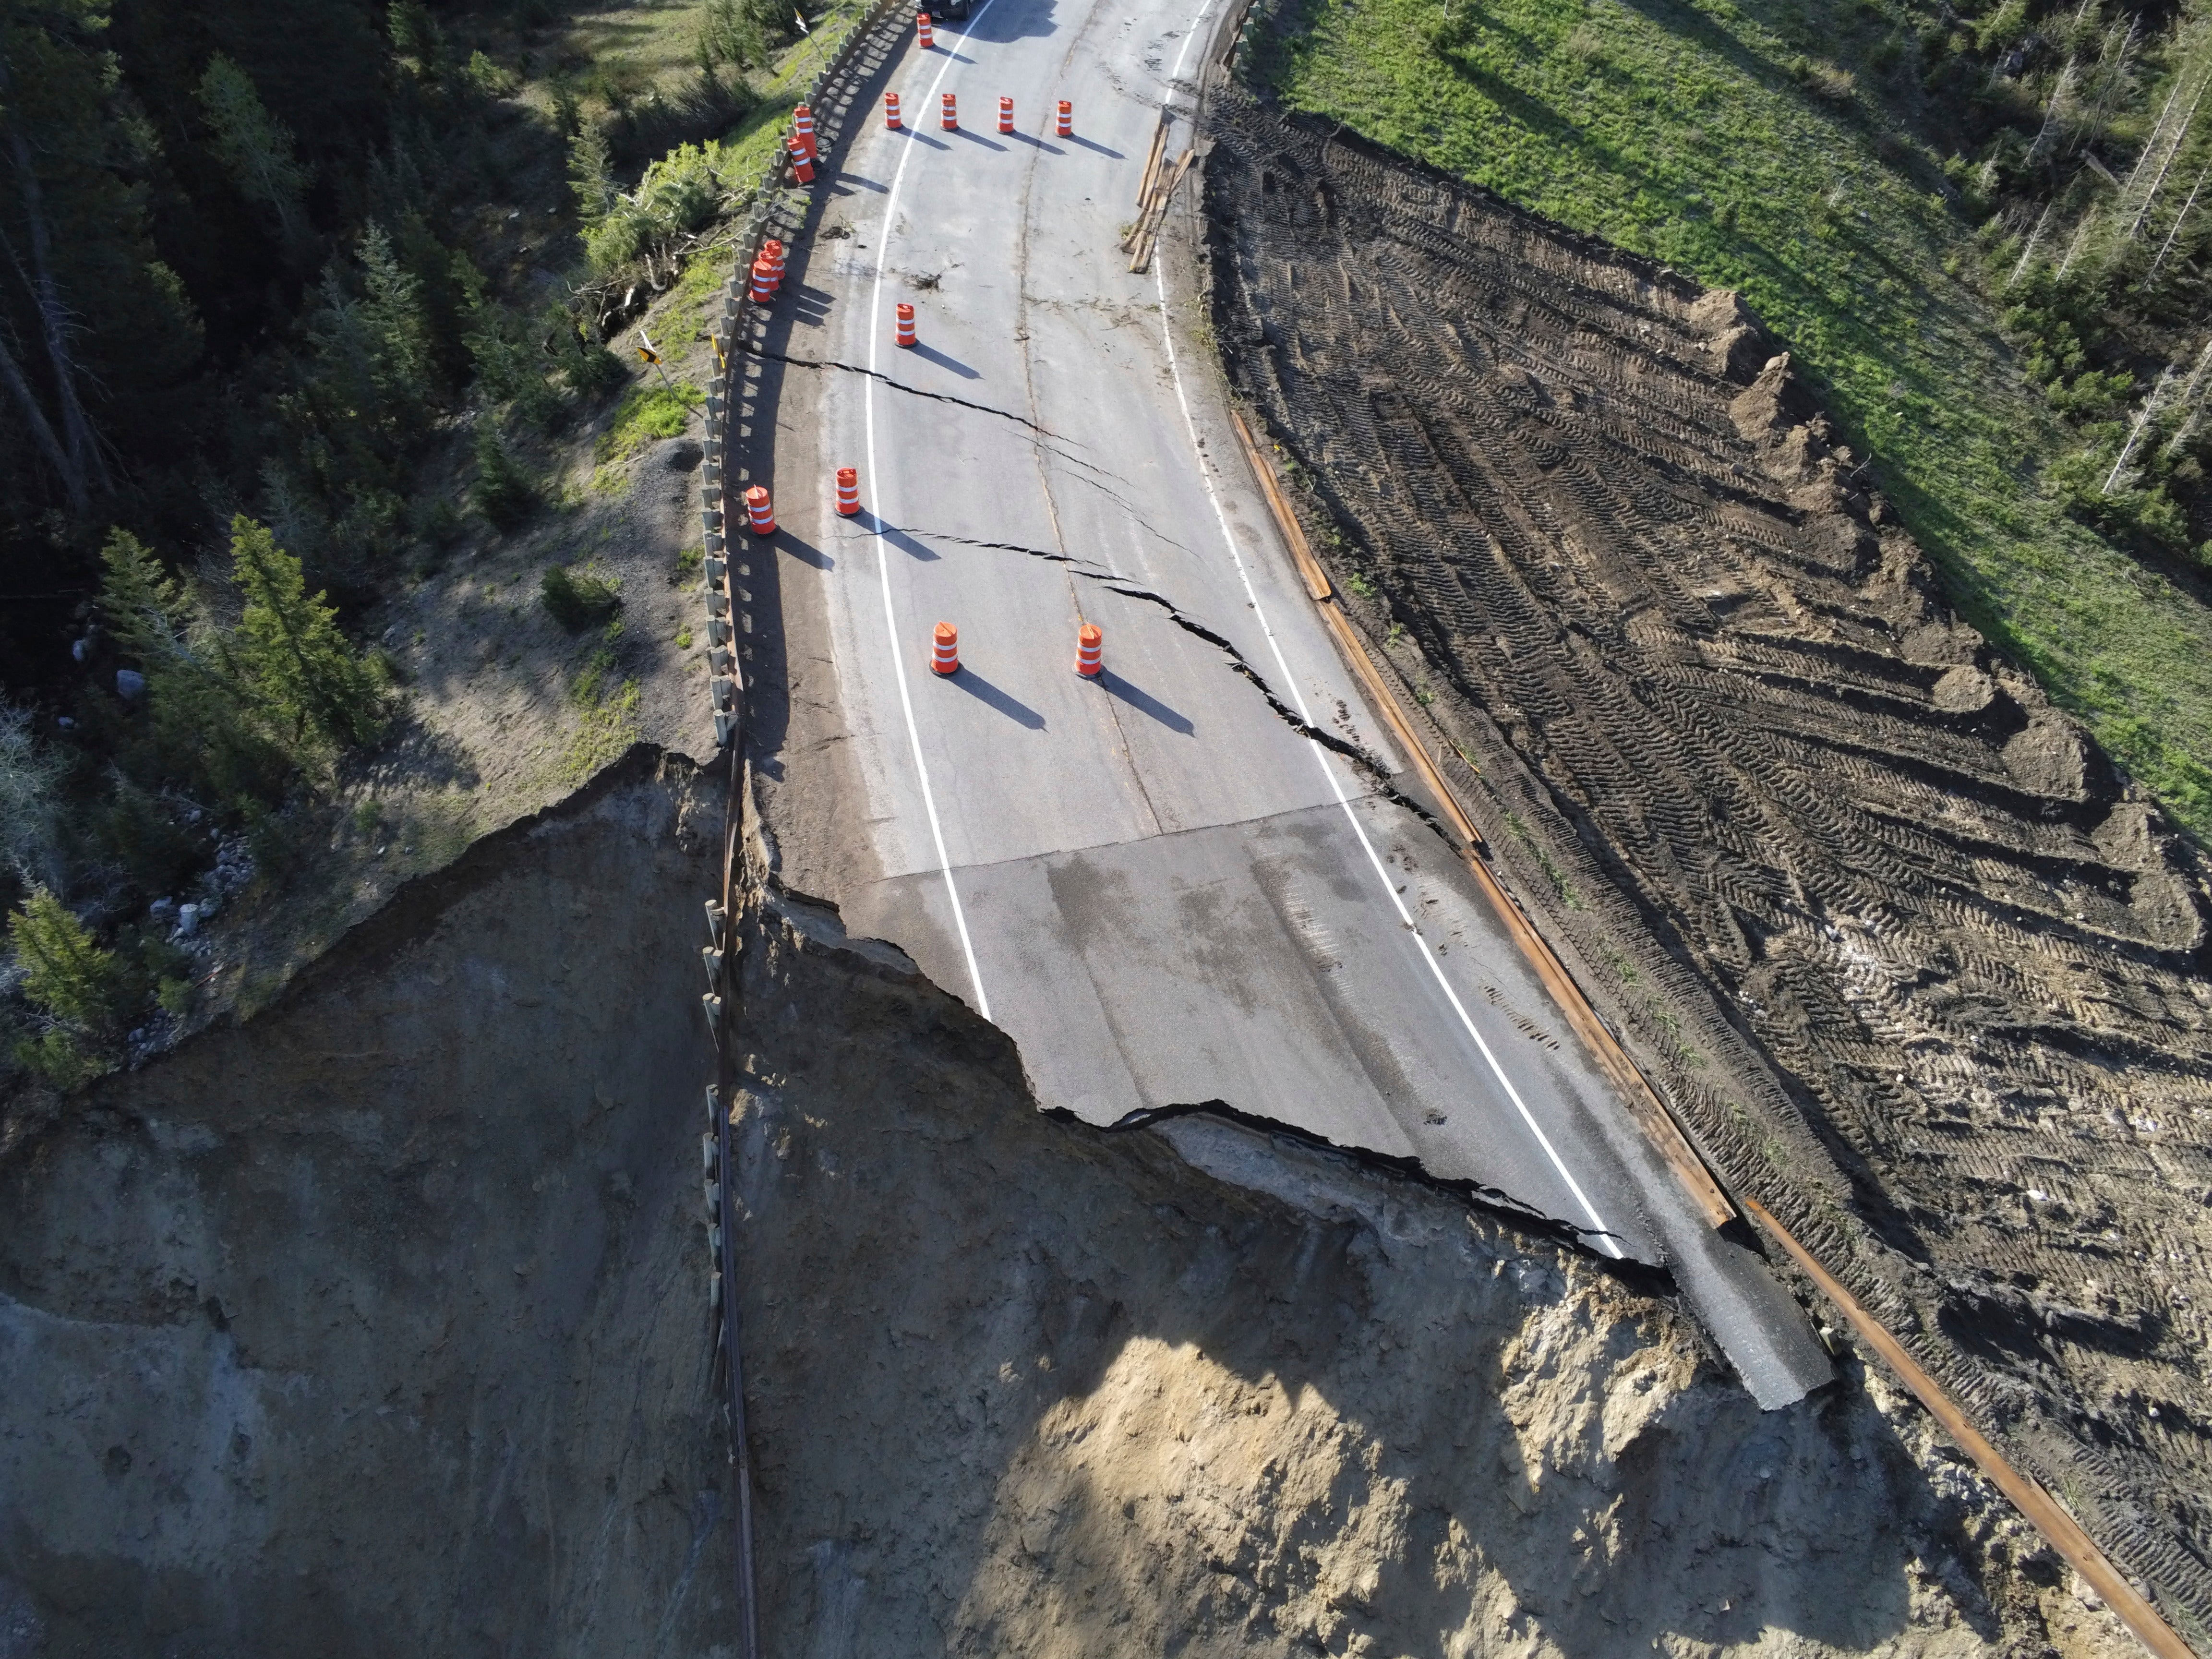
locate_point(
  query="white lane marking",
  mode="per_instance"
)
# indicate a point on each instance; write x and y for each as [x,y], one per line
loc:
[876,482]
[1189,35]
[1290,684]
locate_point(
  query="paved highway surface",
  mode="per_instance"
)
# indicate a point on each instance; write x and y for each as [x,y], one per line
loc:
[1163,890]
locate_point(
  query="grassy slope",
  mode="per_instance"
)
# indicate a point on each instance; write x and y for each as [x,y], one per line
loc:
[1676,130]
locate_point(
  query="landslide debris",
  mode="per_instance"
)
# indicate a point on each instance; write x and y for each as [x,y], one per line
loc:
[1022,1387]
[377,1324]
[1919,969]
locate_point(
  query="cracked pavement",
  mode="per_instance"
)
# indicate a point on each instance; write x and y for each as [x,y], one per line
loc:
[1168,891]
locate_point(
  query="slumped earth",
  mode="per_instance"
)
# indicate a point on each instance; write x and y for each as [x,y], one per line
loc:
[1930,978]
[377,1325]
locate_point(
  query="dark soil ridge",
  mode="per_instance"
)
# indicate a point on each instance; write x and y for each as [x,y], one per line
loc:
[1918,968]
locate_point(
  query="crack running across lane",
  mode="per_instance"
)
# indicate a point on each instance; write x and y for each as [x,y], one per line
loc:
[948,766]
[1598,1227]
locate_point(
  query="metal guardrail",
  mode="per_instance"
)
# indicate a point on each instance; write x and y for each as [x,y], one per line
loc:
[726,688]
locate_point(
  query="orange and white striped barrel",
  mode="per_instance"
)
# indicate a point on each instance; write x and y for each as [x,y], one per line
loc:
[903,334]
[802,128]
[1087,641]
[952,112]
[1066,127]
[891,111]
[758,512]
[849,490]
[1006,114]
[921,31]
[944,649]
[771,255]
[763,289]
[802,168]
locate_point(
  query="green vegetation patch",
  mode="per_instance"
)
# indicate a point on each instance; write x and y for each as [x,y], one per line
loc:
[1701,132]
[651,411]
[611,723]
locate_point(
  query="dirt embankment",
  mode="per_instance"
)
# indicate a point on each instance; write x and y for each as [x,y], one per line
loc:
[1921,971]
[377,1325]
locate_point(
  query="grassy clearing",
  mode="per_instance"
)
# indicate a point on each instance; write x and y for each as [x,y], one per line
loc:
[1708,135]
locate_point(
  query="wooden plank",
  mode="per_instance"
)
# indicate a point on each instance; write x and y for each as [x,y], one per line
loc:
[1316,579]
[1148,230]
[1152,163]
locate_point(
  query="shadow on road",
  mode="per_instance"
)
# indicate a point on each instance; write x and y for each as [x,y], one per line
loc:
[976,138]
[924,138]
[1101,148]
[893,534]
[1006,702]
[944,361]
[805,551]
[845,179]
[1144,702]
[1031,138]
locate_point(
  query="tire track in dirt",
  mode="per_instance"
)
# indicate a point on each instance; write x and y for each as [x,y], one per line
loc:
[1919,968]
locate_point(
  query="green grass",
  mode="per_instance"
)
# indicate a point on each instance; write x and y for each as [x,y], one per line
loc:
[610,722]
[651,410]
[1678,130]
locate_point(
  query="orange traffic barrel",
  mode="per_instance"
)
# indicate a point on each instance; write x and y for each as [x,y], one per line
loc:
[771,255]
[921,31]
[802,128]
[757,510]
[945,654]
[890,110]
[849,490]
[905,332]
[1087,641]
[1067,128]
[1006,114]
[952,112]
[763,289]
[801,169]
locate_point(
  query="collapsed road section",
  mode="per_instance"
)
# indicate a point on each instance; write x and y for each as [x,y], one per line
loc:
[1927,976]
[1063,726]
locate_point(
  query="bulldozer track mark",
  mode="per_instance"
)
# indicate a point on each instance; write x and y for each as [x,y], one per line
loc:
[1911,961]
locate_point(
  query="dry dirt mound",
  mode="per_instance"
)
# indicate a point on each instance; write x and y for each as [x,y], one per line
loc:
[1946,1003]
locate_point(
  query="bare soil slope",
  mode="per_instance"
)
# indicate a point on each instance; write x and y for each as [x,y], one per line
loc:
[378,1324]
[1928,977]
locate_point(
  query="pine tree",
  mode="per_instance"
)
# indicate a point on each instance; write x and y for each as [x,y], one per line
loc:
[200,716]
[64,970]
[256,148]
[591,174]
[392,307]
[415,33]
[503,491]
[290,651]
[146,611]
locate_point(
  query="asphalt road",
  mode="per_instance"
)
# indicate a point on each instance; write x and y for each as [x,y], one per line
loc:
[1155,882]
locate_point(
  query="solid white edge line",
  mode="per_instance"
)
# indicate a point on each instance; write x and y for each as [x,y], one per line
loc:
[876,482]
[1603,1233]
